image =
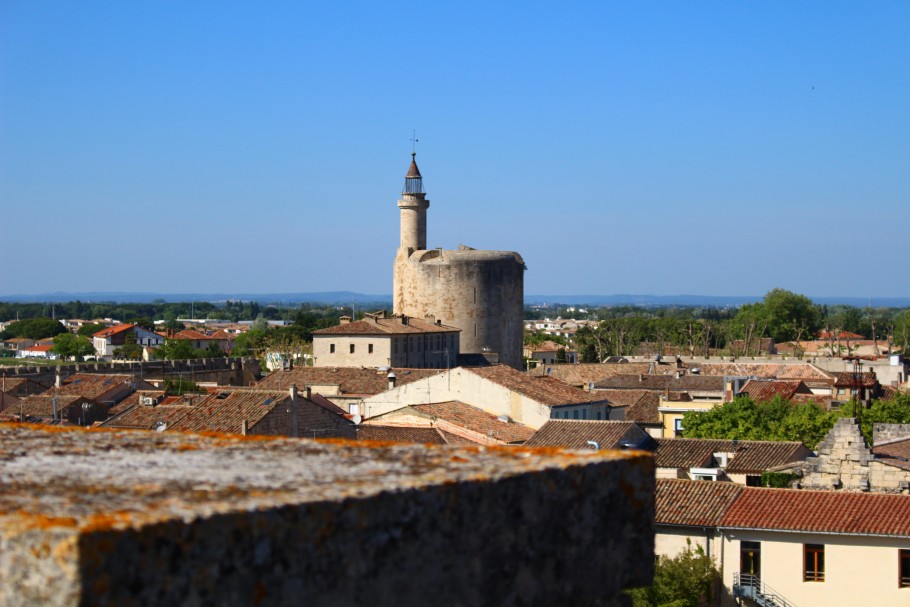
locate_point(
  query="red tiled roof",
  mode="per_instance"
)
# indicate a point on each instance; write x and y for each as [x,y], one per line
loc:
[896,449]
[190,334]
[762,390]
[684,383]
[846,379]
[819,512]
[135,399]
[841,335]
[693,503]
[575,434]
[545,390]
[41,406]
[226,412]
[113,330]
[21,386]
[350,380]
[641,405]
[38,349]
[581,375]
[749,456]
[475,420]
[386,326]
[401,434]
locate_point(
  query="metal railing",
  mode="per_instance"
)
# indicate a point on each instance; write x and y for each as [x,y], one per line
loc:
[746,585]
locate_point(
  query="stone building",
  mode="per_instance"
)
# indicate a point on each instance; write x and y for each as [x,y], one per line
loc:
[379,340]
[479,292]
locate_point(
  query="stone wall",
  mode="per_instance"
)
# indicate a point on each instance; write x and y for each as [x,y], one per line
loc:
[883,433]
[479,292]
[141,518]
[845,462]
[224,371]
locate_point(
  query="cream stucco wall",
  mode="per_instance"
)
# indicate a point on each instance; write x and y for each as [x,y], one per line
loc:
[459,384]
[859,570]
[437,350]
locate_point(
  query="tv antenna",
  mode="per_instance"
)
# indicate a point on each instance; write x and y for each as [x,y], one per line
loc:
[414,141]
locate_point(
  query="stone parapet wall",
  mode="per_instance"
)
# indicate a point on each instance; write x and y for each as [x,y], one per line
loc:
[137,518]
[883,433]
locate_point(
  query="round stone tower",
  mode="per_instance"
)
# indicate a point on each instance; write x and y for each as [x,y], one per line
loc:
[480,292]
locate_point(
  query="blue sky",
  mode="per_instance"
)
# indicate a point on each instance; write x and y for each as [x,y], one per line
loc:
[715,148]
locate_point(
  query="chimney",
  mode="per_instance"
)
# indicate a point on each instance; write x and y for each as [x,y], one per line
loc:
[392,379]
[58,380]
[244,427]
[677,375]
[641,377]
[292,390]
[308,393]
[404,319]
[344,320]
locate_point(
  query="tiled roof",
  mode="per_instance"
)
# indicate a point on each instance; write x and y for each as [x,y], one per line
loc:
[689,383]
[321,401]
[43,348]
[192,334]
[749,457]
[226,412]
[693,503]
[641,404]
[841,335]
[846,379]
[40,406]
[113,330]
[581,375]
[761,390]
[142,417]
[575,434]
[21,386]
[401,434]
[134,399]
[547,346]
[454,439]
[819,512]
[895,449]
[476,420]
[351,380]
[386,326]
[544,390]
[91,385]
[797,370]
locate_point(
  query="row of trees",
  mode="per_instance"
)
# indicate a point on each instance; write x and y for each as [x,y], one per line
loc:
[782,315]
[781,420]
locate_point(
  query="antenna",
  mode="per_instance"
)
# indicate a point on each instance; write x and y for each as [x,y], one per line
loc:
[414,141]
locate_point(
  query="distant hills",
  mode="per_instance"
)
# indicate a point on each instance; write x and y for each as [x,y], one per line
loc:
[349,297]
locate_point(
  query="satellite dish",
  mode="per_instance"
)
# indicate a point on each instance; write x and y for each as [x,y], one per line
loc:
[357,418]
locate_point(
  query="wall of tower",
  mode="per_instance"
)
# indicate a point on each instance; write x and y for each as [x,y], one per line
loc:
[480,292]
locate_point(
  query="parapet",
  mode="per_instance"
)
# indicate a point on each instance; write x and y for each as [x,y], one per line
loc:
[91,517]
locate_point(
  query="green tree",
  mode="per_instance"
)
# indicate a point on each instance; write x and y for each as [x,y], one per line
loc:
[175,349]
[89,329]
[686,580]
[36,328]
[67,345]
[260,324]
[894,410]
[250,343]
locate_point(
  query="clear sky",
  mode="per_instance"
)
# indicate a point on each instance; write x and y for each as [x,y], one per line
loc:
[716,148]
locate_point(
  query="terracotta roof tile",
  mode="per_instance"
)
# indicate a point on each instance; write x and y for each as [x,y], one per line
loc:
[641,405]
[134,399]
[113,330]
[762,390]
[693,503]
[401,434]
[846,379]
[21,386]
[545,390]
[575,434]
[92,385]
[386,326]
[684,383]
[40,406]
[351,380]
[820,512]
[750,456]
[797,370]
[474,419]
[581,375]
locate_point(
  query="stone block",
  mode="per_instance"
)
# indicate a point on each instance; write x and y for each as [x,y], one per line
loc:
[135,518]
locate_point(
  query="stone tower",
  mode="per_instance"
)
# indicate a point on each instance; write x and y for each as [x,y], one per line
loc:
[480,292]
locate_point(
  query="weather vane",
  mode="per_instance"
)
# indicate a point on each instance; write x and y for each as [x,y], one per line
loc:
[414,141]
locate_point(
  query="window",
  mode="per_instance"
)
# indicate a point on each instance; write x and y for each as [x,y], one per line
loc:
[369,348]
[753,480]
[677,427]
[352,348]
[904,568]
[814,560]
[331,348]
[575,414]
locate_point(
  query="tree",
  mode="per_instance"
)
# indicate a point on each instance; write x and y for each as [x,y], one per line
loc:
[175,349]
[67,345]
[686,580]
[776,419]
[895,410]
[36,328]
[260,324]
[89,329]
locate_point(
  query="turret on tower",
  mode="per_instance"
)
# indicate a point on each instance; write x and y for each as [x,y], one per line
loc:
[413,206]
